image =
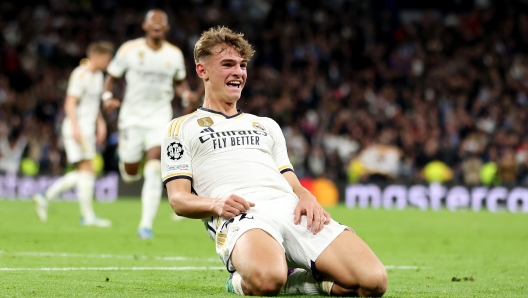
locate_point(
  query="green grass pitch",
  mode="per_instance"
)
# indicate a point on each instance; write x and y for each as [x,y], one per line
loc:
[428,254]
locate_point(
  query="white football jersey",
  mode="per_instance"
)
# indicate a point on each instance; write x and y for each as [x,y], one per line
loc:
[150,76]
[87,86]
[242,154]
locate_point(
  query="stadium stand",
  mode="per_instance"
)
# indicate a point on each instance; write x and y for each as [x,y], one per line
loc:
[364,90]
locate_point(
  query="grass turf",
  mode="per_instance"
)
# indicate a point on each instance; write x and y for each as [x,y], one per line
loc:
[462,254]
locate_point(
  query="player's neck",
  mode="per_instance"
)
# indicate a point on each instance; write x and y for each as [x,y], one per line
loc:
[91,67]
[154,44]
[228,109]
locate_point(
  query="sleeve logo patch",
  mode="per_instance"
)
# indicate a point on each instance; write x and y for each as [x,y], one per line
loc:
[175,151]
[182,167]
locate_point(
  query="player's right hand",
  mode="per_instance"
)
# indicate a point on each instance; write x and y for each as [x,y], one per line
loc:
[111,104]
[77,136]
[232,206]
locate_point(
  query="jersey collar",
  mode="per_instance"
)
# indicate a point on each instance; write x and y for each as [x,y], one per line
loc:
[221,114]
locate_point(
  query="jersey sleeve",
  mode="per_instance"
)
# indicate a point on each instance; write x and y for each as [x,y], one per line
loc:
[75,85]
[175,156]
[119,63]
[180,73]
[279,150]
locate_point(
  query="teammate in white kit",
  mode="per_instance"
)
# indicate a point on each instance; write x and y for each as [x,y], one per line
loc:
[82,128]
[232,170]
[154,69]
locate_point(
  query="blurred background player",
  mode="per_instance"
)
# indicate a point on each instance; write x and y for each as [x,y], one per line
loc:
[155,70]
[82,128]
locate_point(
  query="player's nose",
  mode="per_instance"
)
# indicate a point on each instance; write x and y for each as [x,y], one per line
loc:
[238,71]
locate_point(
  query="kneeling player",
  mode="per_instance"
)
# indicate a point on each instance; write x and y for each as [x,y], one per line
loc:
[232,170]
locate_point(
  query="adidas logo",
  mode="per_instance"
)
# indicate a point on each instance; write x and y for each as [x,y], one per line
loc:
[207,130]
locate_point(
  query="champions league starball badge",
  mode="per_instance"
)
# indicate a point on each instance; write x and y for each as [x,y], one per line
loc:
[175,151]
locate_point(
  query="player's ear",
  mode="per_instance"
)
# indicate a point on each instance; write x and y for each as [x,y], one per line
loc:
[201,71]
[144,26]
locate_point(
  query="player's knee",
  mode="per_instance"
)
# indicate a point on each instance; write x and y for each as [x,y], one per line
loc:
[267,283]
[127,174]
[374,283]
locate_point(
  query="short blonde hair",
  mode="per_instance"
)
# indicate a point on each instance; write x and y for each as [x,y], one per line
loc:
[222,36]
[100,47]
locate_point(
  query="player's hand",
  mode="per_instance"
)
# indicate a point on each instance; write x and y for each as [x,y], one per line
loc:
[232,206]
[316,216]
[77,136]
[111,104]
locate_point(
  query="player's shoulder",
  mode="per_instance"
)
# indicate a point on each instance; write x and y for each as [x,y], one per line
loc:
[172,47]
[131,44]
[183,123]
[264,121]
[79,72]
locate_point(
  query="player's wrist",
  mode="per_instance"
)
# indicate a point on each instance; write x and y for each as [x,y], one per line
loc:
[107,95]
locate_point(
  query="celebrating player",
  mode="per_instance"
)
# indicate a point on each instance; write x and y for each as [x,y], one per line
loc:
[82,128]
[232,170]
[154,70]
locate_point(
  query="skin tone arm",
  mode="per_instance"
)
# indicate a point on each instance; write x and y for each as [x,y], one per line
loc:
[110,104]
[184,203]
[69,108]
[100,134]
[181,88]
[316,216]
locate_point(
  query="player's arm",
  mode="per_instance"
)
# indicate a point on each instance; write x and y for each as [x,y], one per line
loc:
[316,216]
[110,103]
[115,70]
[308,205]
[100,132]
[190,99]
[184,203]
[70,107]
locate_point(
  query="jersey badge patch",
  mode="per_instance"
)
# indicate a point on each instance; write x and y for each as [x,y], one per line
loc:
[258,126]
[175,151]
[205,122]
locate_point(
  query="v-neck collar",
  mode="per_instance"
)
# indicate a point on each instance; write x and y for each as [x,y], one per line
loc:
[221,114]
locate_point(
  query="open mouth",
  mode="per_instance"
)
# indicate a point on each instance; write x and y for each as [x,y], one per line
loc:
[234,84]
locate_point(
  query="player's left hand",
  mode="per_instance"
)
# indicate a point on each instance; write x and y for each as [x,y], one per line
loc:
[316,216]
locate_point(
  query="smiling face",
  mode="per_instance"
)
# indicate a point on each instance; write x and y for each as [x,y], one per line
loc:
[224,74]
[156,24]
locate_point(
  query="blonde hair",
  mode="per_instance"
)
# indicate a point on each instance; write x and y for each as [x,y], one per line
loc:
[222,36]
[100,47]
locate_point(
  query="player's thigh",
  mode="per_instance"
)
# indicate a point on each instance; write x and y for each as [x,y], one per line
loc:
[76,152]
[131,145]
[258,257]
[153,139]
[351,263]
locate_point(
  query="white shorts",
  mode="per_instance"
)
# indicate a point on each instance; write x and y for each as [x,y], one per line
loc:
[275,217]
[135,141]
[76,152]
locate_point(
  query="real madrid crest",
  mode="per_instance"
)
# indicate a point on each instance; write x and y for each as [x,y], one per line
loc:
[258,126]
[205,122]
[175,151]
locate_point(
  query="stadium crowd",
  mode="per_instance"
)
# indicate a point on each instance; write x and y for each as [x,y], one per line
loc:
[363,91]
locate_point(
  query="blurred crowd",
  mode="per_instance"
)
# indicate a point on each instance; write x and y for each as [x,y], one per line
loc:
[364,90]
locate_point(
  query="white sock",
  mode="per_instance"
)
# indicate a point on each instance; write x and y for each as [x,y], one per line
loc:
[64,183]
[151,192]
[85,193]
[237,283]
[302,282]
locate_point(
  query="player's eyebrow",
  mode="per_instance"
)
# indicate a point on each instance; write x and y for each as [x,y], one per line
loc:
[233,61]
